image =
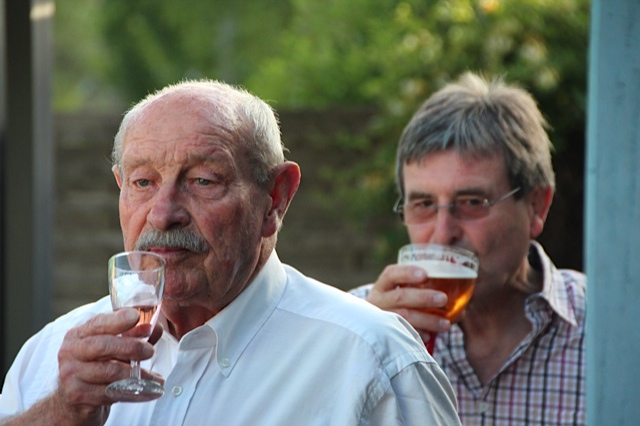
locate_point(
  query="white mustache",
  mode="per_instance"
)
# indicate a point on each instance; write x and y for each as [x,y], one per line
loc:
[175,238]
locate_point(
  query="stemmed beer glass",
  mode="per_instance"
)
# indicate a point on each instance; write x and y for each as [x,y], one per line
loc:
[136,280]
[451,270]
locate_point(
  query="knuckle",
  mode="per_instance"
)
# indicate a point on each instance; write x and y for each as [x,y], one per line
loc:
[96,347]
[74,393]
[388,270]
[112,371]
[404,313]
[65,372]
[396,296]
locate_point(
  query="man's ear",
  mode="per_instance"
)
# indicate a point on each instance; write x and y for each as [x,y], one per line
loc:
[116,172]
[283,187]
[540,199]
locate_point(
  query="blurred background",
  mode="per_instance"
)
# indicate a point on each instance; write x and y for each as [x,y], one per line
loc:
[344,76]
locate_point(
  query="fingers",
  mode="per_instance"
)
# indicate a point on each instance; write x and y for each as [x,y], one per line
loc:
[156,334]
[394,290]
[98,339]
[107,347]
[424,322]
[83,384]
[427,336]
[96,354]
[395,275]
[151,375]
[112,323]
[409,297]
[397,290]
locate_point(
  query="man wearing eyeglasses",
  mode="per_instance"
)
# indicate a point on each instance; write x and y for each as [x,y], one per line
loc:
[473,170]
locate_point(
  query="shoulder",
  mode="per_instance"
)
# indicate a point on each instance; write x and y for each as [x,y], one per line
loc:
[574,278]
[49,338]
[332,304]
[361,291]
[34,371]
[351,318]
[74,318]
[564,289]
[575,283]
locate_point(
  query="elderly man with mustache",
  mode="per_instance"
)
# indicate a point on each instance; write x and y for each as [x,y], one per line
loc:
[245,339]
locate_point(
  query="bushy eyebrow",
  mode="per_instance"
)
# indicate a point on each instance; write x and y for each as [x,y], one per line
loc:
[418,195]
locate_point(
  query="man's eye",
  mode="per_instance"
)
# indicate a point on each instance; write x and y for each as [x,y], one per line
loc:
[470,201]
[423,204]
[203,181]
[142,183]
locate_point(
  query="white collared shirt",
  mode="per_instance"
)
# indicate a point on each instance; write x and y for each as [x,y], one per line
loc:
[287,351]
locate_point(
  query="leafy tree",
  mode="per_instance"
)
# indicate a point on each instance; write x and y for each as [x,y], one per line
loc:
[80,56]
[393,54]
[383,54]
[155,42]
[122,49]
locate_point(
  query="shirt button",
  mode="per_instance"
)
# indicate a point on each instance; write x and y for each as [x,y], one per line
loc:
[483,406]
[176,390]
[225,362]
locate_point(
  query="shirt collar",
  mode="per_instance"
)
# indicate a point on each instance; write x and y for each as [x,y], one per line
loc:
[237,324]
[554,291]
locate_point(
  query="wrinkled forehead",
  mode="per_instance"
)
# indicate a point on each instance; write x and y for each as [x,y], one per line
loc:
[468,158]
[493,162]
[186,114]
[208,104]
[179,128]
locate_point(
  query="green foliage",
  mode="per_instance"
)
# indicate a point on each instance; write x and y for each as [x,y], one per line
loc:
[383,54]
[393,54]
[138,46]
[80,56]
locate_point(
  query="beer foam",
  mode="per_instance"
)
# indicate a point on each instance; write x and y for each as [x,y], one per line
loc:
[444,269]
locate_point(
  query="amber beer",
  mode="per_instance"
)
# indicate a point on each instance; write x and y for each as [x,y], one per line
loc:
[450,269]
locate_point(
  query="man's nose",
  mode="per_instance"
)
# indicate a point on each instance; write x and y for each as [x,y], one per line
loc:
[168,209]
[446,227]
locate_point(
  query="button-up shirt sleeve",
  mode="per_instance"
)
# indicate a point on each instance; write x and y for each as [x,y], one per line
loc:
[418,395]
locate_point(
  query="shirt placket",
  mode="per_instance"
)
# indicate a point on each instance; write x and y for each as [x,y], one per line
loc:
[181,384]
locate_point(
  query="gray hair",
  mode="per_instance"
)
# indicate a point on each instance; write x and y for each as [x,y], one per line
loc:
[478,117]
[258,128]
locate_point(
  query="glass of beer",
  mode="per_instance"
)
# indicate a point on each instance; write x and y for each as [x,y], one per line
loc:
[451,270]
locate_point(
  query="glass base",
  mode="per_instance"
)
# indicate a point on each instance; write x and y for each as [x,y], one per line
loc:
[133,390]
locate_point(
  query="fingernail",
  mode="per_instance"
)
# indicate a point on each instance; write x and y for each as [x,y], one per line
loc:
[157,378]
[419,273]
[130,314]
[444,324]
[147,351]
[440,299]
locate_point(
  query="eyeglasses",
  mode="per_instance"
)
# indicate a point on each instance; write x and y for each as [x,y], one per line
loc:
[464,207]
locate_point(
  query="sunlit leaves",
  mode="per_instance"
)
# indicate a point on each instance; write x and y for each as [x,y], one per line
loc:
[393,54]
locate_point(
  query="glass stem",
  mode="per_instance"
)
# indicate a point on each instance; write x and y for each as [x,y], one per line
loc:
[135,370]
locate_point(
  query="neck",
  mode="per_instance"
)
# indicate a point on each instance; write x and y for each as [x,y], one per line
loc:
[184,316]
[496,324]
[491,335]
[182,320]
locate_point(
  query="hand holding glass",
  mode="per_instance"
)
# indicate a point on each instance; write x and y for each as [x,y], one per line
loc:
[451,270]
[136,280]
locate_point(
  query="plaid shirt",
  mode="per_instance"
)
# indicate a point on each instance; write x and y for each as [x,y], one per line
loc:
[543,381]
